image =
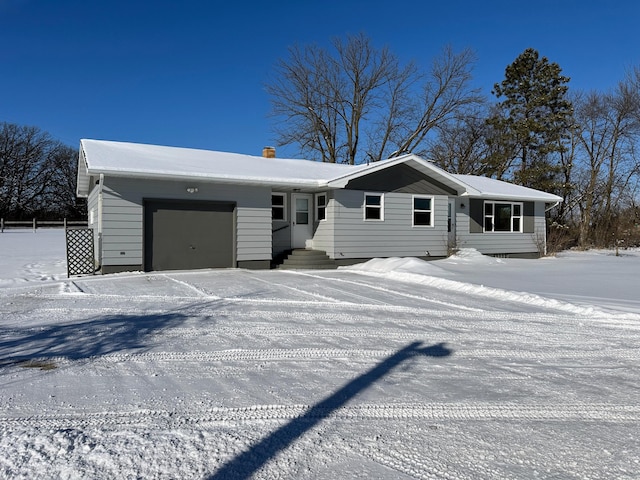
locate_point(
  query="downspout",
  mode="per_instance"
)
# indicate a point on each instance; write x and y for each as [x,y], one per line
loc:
[99,266]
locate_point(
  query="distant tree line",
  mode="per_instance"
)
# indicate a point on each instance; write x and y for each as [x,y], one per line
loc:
[37,176]
[355,104]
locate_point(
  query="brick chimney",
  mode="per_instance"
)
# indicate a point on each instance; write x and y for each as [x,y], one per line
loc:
[269,152]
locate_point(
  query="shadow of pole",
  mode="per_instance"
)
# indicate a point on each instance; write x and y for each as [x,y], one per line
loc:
[248,462]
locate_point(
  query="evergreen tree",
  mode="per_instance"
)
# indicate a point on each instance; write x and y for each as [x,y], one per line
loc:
[531,122]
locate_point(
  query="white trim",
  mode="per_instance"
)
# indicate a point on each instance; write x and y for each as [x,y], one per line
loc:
[492,216]
[365,206]
[284,206]
[317,206]
[301,233]
[432,200]
[426,167]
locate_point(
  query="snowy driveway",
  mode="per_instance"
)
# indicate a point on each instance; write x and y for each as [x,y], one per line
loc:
[323,375]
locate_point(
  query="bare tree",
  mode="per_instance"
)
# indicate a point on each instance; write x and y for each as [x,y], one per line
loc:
[35,172]
[444,97]
[360,104]
[461,146]
[609,132]
[61,199]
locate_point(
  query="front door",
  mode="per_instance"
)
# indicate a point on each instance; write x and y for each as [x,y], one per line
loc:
[301,219]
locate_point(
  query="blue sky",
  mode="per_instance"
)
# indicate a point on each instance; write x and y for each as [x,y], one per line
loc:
[192,73]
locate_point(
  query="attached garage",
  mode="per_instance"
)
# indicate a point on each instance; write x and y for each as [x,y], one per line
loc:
[184,235]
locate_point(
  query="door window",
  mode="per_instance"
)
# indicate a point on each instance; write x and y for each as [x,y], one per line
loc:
[302,211]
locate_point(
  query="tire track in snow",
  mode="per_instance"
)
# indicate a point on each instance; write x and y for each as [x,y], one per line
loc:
[324,298]
[367,412]
[193,288]
[307,309]
[281,354]
[367,286]
[284,354]
[465,289]
[412,465]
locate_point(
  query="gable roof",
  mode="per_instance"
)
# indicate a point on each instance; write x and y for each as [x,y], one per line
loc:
[174,163]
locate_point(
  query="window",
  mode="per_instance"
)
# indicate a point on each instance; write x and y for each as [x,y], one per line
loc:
[373,206]
[321,207]
[422,211]
[502,217]
[302,210]
[278,206]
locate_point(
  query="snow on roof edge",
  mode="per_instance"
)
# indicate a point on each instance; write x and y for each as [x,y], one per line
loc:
[162,162]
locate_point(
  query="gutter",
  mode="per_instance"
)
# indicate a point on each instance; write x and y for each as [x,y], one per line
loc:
[553,206]
[100,219]
[301,183]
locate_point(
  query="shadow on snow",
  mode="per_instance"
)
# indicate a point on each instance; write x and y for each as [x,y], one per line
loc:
[247,463]
[84,339]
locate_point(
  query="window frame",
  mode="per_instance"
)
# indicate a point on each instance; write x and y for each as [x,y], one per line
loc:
[512,217]
[379,207]
[322,208]
[283,206]
[432,200]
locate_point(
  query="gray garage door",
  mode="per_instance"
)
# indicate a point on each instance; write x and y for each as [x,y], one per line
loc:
[188,235]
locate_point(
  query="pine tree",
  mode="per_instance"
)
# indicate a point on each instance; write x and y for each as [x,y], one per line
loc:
[532,121]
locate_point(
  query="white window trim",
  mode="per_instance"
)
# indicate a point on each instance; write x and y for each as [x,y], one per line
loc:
[381,206]
[494,202]
[326,201]
[284,206]
[413,211]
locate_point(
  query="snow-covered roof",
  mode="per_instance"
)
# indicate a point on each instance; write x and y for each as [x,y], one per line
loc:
[154,161]
[484,187]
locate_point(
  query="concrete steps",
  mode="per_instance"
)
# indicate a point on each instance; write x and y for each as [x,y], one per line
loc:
[303,259]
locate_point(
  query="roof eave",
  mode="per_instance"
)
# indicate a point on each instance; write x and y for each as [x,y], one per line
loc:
[518,198]
[82,177]
[229,180]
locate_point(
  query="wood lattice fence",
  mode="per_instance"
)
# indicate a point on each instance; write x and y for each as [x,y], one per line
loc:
[80,258]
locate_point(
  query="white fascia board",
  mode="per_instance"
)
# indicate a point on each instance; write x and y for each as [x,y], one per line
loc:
[341,182]
[82,177]
[548,198]
[429,169]
[445,177]
[195,177]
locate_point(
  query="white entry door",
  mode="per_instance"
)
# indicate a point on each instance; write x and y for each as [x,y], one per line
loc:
[301,219]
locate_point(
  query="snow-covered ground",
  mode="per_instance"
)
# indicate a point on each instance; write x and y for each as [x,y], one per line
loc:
[465,368]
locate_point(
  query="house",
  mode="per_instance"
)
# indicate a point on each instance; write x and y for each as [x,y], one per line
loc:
[162,208]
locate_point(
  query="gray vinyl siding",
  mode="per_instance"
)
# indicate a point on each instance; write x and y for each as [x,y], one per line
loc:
[122,219]
[498,243]
[345,234]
